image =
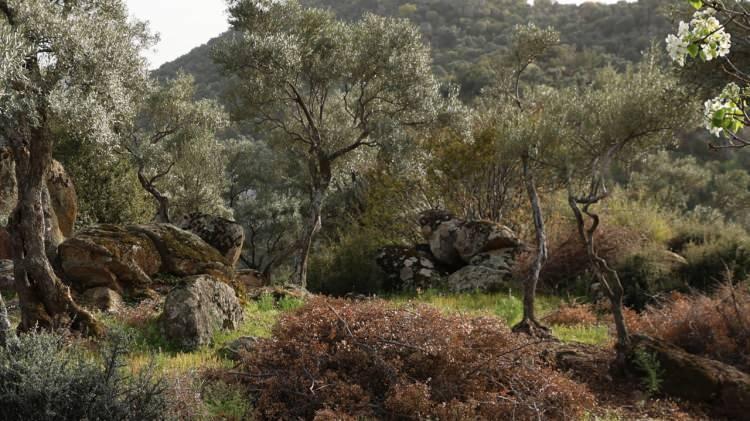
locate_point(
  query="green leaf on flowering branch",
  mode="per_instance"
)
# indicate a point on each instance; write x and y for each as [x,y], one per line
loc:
[693,50]
[696,3]
[718,120]
[737,125]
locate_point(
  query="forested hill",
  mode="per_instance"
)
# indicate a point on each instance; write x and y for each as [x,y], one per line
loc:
[467,36]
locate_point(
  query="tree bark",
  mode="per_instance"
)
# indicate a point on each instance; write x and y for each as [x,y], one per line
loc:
[320,171]
[607,276]
[308,235]
[45,301]
[530,325]
[162,201]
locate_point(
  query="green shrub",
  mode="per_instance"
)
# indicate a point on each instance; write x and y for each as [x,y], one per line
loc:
[645,276]
[713,261]
[347,265]
[44,377]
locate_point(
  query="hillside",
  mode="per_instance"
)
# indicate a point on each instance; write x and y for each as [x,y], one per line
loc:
[467,37]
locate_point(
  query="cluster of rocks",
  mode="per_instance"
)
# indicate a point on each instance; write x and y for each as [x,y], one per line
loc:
[192,262]
[459,255]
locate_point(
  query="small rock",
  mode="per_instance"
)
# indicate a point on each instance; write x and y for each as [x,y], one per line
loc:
[103,299]
[6,274]
[235,349]
[197,309]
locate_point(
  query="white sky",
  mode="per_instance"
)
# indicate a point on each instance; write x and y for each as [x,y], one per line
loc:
[186,24]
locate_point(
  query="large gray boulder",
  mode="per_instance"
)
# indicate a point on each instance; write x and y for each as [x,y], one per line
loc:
[478,278]
[224,235]
[410,268]
[197,309]
[455,242]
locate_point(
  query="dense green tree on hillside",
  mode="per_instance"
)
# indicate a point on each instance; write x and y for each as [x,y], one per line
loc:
[334,90]
[68,68]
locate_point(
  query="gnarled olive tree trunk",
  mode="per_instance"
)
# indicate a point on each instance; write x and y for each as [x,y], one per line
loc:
[320,169]
[45,301]
[529,324]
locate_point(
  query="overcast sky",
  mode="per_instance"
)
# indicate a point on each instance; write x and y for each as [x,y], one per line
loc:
[186,24]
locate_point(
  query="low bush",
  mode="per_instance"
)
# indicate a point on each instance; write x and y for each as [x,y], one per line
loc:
[336,359]
[715,326]
[709,263]
[44,377]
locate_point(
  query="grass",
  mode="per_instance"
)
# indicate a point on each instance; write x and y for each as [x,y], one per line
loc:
[150,347]
[509,307]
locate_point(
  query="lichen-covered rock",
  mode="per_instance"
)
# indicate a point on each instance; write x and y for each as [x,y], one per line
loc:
[455,242]
[236,349]
[126,258]
[478,278]
[184,253]
[197,309]
[501,260]
[64,199]
[111,256]
[224,235]
[409,269]
[103,299]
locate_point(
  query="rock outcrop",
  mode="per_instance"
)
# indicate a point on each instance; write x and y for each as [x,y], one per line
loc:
[224,235]
[474,255]
[103,299]
[197,309]
[125,258]
[237,348]
[410,268]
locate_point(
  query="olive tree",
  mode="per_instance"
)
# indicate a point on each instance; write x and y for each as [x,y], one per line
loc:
[615,120]
[333,89]
[529,129]
[69,67]
[174,148]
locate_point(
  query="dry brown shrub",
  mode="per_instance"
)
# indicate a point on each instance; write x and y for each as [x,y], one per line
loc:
[571,315]
[715,326]
[141,314]
[183,397]
[567,255]
[375,360]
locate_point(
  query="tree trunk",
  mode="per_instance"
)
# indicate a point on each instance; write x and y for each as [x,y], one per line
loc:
[607,276]
[530,325]
[162,201]
[45,301]
[312,227]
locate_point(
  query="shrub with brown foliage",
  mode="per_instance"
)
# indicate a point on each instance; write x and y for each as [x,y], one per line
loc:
[336,359]
[571,315]
[715,326]
[568,260]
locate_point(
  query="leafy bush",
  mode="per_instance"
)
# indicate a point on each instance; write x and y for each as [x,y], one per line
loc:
[347,265]
[716,326]
[336,359]
[46,378]
[645,276]
[710,263]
